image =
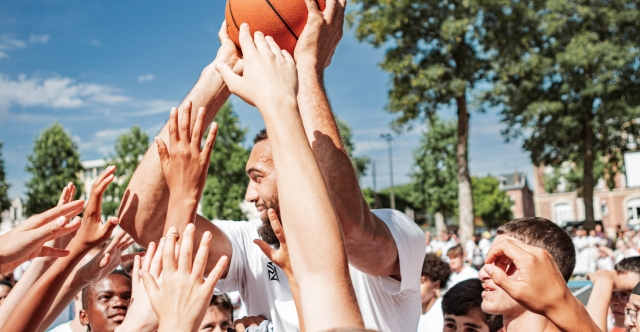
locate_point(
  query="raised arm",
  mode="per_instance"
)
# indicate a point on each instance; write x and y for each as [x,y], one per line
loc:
[364,233]
[314,239]
[143,211]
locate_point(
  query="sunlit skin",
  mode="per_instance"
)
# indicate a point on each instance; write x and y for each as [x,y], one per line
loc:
[474,321]
[216,320]
[634,303]
[619,299]
[4,291]
[262,177]
[108,301]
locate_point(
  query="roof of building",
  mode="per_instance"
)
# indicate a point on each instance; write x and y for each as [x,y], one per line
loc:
[512,181]
[97,163]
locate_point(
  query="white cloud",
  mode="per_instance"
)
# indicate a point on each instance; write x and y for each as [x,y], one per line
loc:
[146,78]
[95,43]
[55,92]
[102,141]
[39,39]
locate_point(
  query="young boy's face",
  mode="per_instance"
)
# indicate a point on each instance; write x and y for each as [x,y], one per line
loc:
[631,320]
[474,321]
[456,263]
[216,320]
[108,301]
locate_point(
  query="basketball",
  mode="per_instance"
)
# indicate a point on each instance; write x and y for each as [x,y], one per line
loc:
[283,20]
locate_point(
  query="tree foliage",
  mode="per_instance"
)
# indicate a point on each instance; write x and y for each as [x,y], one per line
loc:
[4,185]
[227,180]
[359,163]
[54,163]
[434,176]
[570,81]
[129,149]
[490,203]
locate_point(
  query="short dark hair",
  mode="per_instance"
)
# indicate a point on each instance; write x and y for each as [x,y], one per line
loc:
[455,251]
[629,264]
[6,283]
[545,234]
[222,302]
[261,136]
[435,269]
[86,289]
[466,296]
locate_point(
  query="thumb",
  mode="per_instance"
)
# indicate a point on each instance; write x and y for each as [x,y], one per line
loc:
[163,152]
[233,80]
[500,278]
[266,249]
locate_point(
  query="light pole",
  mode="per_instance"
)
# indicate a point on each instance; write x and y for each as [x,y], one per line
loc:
[388,138]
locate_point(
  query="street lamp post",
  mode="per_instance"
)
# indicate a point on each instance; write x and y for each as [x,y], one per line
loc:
[389,138]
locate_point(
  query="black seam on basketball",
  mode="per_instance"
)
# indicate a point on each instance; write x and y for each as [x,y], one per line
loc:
[233,18]
[282,19]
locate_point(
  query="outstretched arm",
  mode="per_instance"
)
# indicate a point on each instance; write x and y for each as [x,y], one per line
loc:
[314,239]
[143,211]
[363,232]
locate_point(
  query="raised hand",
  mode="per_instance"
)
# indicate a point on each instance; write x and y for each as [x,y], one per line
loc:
[92,231]
[269,77]
[278,256]
[140,315]
[185,164]
[321,35]
[107,260]
[181,301]
[27,241]
[228,52]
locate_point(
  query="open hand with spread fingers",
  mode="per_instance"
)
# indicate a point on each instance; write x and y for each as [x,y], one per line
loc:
[269,78]
[93,232]
[279,256]
[321,35]
[182,298]
[27,241]
[108,259]
[184,164]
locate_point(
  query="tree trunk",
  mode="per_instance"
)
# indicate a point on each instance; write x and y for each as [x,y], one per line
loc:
[588,181]
[465,197]
[440,225]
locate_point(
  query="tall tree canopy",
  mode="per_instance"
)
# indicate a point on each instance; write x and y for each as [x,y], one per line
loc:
[437,53]
[570,83]
[490,203]
[227,180]
[4,185]
[129,148]
[54,163]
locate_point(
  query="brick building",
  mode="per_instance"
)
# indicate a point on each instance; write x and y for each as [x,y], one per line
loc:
[517,187]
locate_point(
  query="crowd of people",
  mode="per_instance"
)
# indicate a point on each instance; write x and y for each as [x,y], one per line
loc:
[320,261]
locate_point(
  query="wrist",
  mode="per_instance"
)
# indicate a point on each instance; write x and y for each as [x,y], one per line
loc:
[279,106]
[309,70]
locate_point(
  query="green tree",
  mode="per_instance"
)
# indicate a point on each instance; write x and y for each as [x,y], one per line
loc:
[434,176]
[491,204]
[4,185]
[227,179]
[129,148]
[54,163]
[570,82]
[438,52]
[359,163]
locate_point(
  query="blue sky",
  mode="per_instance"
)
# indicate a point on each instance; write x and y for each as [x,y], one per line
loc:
[99,67]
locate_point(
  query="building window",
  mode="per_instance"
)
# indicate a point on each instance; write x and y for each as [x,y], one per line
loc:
[633,211]
[563,212]
[605,210]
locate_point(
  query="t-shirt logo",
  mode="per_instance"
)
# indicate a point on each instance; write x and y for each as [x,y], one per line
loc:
[273,273]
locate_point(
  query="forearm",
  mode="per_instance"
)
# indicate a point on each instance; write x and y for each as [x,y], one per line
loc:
[144,205]
[362,232]
[71,287]
[295,292]
[571,315]
[32,309]
[29,277]
[598,305]
[298,175]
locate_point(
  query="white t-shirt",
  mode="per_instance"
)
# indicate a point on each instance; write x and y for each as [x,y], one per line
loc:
[386,304]
[66,327]
[467,273]
[433,320]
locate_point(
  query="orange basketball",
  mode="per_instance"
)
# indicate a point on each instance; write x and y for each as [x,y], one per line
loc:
[283,20]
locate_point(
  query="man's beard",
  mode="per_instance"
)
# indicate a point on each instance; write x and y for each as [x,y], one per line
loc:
[266,231]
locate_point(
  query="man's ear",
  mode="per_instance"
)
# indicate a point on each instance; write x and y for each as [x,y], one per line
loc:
[436,284]
[84,320]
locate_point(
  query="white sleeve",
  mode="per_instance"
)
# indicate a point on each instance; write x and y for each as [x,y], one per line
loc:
[411,246]
[238,233]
